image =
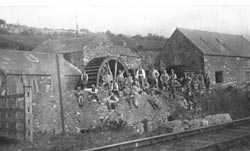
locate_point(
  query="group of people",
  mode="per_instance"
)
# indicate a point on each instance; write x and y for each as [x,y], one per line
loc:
[151,84]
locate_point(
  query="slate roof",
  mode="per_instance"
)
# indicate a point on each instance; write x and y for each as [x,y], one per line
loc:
[80,43]
[212,43]
[30,63]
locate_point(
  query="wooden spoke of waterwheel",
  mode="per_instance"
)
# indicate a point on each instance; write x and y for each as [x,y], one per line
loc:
[108,64]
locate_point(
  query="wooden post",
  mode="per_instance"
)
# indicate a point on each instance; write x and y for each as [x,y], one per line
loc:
[115,70]
[60,93]
[28,114]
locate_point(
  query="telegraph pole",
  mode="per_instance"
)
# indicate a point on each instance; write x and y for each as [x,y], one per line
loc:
[60,93]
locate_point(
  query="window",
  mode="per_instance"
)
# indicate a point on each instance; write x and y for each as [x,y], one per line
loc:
[219,76]
[247,75]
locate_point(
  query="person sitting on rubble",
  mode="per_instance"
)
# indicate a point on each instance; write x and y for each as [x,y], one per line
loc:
[189,96]
[93,96]
[136,86]
[146,86]
[79,96]
[132,99]
[112,101]
[114,88]
[164,80]
[153,101]
[107,78]
[120,79]
[195,85]
[129,80]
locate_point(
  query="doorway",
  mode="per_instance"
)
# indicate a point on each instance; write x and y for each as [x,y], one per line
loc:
[219,76]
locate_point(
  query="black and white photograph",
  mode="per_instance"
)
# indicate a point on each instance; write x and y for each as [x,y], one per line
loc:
[131,75]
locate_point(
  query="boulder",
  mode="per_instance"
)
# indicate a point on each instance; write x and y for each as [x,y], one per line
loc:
[218,118]
[197,123]
[177,126]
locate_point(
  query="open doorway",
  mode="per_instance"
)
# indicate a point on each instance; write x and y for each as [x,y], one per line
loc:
[219,76]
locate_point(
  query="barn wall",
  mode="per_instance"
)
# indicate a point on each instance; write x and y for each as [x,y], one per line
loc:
[181,51]
[234,68]
[41,83]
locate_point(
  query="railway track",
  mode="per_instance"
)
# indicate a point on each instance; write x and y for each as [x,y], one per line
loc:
[209,138]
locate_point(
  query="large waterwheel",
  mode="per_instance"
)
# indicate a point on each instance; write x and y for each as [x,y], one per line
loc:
[98,67]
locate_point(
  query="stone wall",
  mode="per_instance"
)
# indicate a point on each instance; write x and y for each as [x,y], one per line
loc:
[71,82]
[233,68]
[148,58]
[102,51]
[41,83]
[181,51]
[131,62]
[76,58]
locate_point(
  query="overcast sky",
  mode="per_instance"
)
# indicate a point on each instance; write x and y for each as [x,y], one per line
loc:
[129,17]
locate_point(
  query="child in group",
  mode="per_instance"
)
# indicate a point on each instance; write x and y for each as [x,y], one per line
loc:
[79,96]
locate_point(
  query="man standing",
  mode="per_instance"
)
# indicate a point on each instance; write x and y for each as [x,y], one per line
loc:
[172,82]
[120,79]
[155,75]
[207,81]
[164,80]
[83,80]
[140,75]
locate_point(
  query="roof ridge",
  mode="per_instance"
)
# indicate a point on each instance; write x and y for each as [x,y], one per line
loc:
[213,32]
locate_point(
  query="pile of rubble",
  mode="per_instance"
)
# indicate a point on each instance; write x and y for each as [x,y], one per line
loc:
[47,114]
[46,111]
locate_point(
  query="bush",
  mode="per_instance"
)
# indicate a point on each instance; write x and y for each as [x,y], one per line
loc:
[233,101]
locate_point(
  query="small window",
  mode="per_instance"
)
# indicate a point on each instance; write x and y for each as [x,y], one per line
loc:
[219,76]
[247,75]
[221,42]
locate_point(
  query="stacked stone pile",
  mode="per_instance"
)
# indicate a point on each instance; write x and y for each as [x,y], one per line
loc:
[182,125]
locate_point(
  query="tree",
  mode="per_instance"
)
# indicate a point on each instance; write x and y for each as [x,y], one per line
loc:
[2,21]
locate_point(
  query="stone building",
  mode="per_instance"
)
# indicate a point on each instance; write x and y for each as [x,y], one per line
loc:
[225,57]
[39,70]
[148,49]
[79,51]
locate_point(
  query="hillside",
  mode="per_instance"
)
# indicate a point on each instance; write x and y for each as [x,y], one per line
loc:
[21,42]
[137,42]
